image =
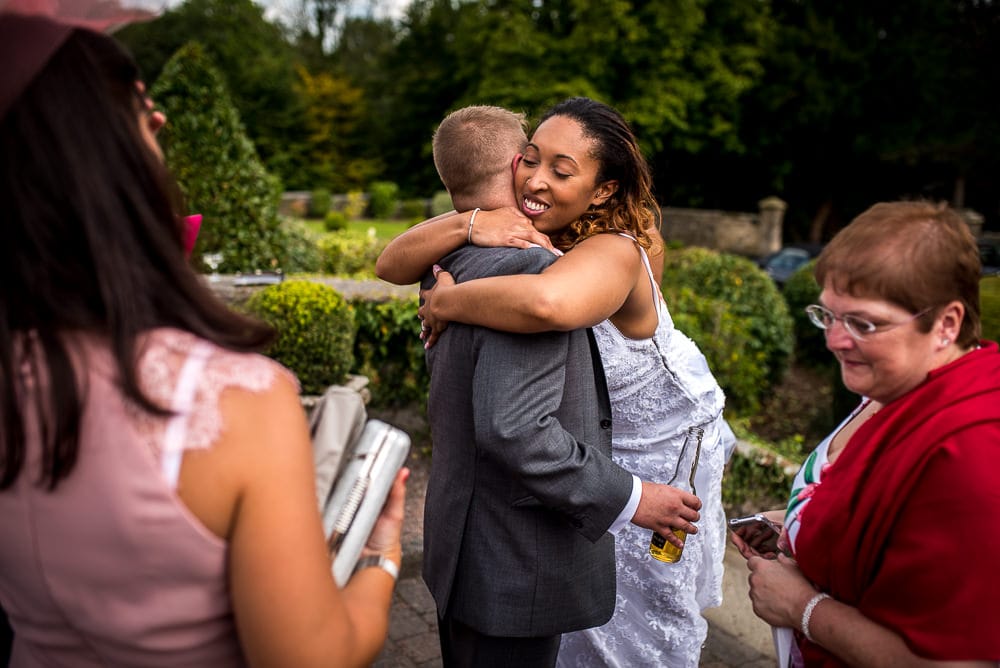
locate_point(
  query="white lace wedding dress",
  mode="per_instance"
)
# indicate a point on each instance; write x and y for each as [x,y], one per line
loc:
[659,387]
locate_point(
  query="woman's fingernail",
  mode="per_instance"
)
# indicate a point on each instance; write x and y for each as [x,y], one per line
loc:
[436,269]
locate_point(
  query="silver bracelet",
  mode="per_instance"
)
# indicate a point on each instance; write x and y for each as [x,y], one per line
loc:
[472,221]
[379,561]
[807,613]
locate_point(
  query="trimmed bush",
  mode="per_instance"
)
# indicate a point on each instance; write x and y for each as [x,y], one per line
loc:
[413,209]
[747,292]
[441,203]
[725,341]
[355,205]
[801,290]
[300,251]
[383,198]
[319,203]
[350,254]
[316,331]
[389,351]
[335,221]
[216,165]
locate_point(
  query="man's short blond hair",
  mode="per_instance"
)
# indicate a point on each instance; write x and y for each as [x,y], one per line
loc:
[475,145]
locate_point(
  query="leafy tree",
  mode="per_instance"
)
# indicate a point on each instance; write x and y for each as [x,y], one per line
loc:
[676,69]
[863,102]
[333,109]
[216,165]
[256,61]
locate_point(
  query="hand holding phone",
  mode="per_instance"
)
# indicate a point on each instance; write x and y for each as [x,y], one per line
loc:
[758,533]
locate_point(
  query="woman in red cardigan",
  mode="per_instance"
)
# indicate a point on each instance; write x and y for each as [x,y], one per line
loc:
[894,525]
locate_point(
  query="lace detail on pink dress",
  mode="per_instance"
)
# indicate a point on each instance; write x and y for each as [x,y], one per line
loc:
[163,354]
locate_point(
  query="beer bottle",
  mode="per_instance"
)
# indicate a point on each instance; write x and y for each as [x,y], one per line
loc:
[683,478]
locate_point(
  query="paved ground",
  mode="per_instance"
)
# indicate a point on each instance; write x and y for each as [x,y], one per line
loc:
[735,636]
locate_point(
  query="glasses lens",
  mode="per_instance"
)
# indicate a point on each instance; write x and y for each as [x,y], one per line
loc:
[819,316]
[858,327]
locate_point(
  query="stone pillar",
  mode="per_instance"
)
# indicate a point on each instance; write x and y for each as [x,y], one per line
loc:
[772,215]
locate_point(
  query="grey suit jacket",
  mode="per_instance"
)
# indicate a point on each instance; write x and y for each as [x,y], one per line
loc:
[522,489]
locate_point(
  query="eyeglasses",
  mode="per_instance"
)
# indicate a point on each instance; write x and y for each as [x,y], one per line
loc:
[859,328]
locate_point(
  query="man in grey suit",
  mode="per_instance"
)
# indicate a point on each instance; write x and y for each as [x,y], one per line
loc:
[523,497]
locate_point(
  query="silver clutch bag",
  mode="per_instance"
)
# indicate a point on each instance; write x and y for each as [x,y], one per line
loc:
[359,491]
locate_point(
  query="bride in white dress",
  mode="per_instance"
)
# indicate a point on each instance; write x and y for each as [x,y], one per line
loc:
[583,182]
[659,387]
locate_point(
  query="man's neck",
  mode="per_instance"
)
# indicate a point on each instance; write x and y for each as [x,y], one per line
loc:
[487,198]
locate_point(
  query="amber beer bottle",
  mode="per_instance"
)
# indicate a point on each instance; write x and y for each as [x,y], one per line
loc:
[683,478]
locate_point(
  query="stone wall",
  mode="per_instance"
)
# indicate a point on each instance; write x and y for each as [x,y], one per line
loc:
[741,233]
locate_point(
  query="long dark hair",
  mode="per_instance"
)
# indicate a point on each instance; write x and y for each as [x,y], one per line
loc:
[92,244]
[632,208]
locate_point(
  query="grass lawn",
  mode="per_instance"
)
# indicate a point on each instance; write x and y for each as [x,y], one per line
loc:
[989,304]
[384,229]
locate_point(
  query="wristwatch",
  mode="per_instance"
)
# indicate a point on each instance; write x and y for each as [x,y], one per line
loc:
[378,561]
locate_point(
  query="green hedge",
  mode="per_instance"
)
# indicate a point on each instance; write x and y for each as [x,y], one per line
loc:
[319,203]
[389,351]
[316,331]
[801,290]
[217,166]
[349,253]
[734,288]
[441,203]
[300,248]
[723,338]
[383,199]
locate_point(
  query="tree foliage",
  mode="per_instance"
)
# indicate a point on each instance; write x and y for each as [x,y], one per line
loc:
[676,69]
[257,64]
[829,105]
[216,165]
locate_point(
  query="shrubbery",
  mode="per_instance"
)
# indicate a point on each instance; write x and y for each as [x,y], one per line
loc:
[389,351]
[441,203]
[319,203]
[216,165]
[300,252]
[350,253]
[356,204]
[724,339]
[414,210]
[383,198]
[316,331]
[801,290]
[335,221]
[747,293]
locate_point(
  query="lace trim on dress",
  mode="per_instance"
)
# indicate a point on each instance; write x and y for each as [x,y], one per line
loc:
[163,355]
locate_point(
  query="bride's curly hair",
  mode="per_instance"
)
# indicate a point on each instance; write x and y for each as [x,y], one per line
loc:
[632,208]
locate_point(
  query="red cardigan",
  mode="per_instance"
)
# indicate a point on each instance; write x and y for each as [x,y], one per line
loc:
[906,525]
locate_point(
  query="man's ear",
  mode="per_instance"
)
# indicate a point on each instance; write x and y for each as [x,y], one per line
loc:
[604,191]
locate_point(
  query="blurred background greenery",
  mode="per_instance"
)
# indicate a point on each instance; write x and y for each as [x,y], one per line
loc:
[829,105]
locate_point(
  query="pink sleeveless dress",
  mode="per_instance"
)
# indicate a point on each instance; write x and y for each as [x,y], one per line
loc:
[111,568]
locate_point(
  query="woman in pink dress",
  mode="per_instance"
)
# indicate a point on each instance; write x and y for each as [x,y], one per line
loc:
[157,504]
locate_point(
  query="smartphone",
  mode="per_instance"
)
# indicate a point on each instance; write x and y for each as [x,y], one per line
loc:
[757,519]
[758,532]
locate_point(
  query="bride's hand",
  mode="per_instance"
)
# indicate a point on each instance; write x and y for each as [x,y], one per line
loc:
[507,227]
[430,326]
